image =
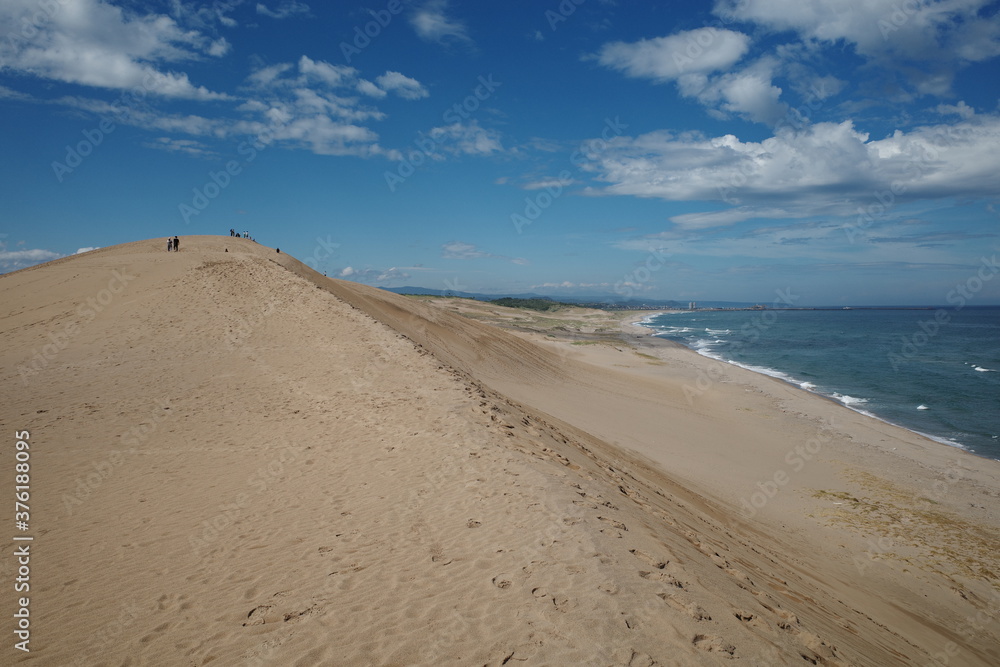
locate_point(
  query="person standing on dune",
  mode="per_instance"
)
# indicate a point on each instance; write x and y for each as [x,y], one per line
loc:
[177,244]
[170,243]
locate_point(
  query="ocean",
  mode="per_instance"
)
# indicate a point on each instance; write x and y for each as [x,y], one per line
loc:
[934,371]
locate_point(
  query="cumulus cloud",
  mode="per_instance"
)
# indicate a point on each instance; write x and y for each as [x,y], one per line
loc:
[315,105]
[684,53]
[402,85]
[701,63]
[827,168]
[93,43]
[925,41]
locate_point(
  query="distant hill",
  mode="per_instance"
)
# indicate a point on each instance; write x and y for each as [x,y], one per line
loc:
[595,301]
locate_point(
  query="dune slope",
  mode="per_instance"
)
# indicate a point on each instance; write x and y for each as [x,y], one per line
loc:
[238,461]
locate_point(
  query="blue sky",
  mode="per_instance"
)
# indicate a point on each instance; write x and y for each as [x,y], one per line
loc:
[846,151]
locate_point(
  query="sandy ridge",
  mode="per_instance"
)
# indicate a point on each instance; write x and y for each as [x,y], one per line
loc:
[350,477]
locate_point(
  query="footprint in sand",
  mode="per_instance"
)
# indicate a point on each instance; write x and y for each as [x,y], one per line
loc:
[258,615]
[617,524]
[714,644]
[663,577]
[649,560]
[689,608]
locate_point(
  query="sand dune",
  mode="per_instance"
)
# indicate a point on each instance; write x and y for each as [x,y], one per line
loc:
[235,460]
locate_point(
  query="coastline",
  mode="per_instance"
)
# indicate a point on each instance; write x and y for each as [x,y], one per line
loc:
[824,481]
[633,323]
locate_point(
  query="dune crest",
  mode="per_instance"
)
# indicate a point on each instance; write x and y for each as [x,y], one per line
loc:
[239,461]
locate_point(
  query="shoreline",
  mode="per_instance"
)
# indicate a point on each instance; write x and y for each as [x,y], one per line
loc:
[779,375]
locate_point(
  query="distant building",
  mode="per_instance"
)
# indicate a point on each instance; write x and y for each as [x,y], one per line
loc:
[692,305]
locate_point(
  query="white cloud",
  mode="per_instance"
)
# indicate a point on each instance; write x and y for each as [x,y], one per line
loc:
[93,43]
[284,10]
[668,58]
[940,36]
[827,168]
[187,146]
[700,62]
[462,250]
[470,139]
[331,75]
[402,85]
[549,183]
[366,87]
[432,24]
[80,251]
[12,260]
[961,109]
[748,92]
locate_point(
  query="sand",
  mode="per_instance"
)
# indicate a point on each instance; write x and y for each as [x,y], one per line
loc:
[238,461]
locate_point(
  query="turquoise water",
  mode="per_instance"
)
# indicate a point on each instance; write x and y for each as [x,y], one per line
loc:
[933,371]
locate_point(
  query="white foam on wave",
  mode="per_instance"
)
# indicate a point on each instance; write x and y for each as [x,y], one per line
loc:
[922,407]
[983,370]
[849,401]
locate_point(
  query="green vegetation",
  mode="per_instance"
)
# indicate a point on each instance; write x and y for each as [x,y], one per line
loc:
[530,304]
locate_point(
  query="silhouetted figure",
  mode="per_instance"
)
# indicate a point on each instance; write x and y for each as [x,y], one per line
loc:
[278,249]
[177,244]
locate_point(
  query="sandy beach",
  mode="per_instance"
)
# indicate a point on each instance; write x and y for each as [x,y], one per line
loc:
[235,460]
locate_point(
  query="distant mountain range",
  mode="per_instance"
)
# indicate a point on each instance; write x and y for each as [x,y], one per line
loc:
[605,299]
